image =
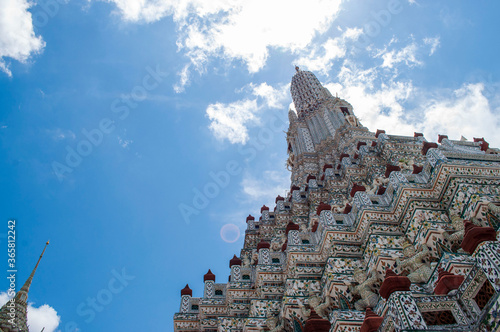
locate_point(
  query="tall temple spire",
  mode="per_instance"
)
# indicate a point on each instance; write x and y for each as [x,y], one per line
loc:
[27,284]
[10,322]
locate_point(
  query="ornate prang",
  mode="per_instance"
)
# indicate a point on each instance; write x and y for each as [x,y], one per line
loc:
[354,195]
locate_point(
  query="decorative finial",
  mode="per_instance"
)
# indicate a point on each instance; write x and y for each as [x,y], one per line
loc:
[297,68]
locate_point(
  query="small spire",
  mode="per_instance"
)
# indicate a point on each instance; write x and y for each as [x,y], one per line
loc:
[297,68]
[21,306]
[27,284]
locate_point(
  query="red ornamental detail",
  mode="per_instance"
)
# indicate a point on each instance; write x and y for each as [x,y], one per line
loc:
[417,169]
[283,247]
[447,281]
[293,189]
[209,276]
[484,146]
[391,168]
[427,146]
[250,217]
[291,227]
[234,261]
[418,135]
[441,138]
[263,245]
[381,190]
[315,227]
[379,131]
[316,324]
[327,166]
[347,209]
[356,156]
[343,155]
[310,177]
[372,321]
[323,177]
[360,144]
[374,143]
[393,283]
[264,208]
[474,235]
[186,291]
[356,188]
[279,198]
[322,207]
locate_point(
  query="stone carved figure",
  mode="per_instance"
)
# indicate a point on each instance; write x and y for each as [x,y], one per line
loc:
[255,258]
[420,270]
[316,304]
[289,162]
[272,324]
[246,261]
[276,245]
[339,208]
[368,298]
[352,120]
[457,224]
[494,208]
[371,189]
[406,164]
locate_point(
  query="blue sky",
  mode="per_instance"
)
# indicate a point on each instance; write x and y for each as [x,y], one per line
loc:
[187,97]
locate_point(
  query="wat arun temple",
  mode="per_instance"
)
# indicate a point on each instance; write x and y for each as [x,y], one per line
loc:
[378,232]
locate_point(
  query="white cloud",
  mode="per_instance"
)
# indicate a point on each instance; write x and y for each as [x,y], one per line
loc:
[377,105]
[433,42]
[228,121]
[465,111]
[59,134]
[43,317]
[38,317]
[124,142]
[273,97]
[183,79]
[266,186]
[238,29]
[231,121]
[401,108]
[406,55]
[321,58]
[17,40]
